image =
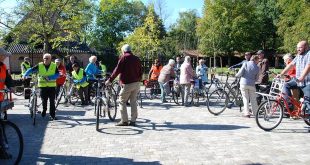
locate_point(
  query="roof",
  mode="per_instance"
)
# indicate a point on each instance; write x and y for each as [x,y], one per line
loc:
[74,48]
[192,53]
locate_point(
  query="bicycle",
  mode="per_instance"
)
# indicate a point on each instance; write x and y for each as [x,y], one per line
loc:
[11,139]
[105,100]
[151,89]
[270,112]
[63,92]
[33,101]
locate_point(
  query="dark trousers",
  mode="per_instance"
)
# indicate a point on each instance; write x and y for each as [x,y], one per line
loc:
[26,82]
[48,93]
[83,93]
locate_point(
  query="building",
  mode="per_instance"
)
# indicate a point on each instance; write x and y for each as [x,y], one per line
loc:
[19,51]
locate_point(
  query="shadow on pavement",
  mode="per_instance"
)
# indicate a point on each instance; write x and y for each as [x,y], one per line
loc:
[62,159]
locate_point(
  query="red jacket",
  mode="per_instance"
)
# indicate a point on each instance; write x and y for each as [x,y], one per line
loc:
[62,77]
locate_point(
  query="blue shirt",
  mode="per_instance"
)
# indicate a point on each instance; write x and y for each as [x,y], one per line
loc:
[201,70]
[248,73]
[92,70]
[301,62]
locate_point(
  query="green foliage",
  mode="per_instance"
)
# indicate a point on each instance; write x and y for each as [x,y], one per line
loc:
[227,26]
[294,23]
[114,20]
[183,32]
[146,41]
[52,22]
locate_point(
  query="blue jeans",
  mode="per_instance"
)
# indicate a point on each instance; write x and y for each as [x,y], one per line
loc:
[292,84]
[162,91]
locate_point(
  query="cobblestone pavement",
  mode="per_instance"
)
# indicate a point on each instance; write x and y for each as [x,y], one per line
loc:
[166,134]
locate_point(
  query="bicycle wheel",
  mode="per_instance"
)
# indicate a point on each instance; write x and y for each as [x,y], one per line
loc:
[111,105]
[73,99]
[18,91]
[34,110]
[12,142]
[98,108]
[176,96]
[59,96]
[217,101]
[195,97]
[306,117]
[269,115]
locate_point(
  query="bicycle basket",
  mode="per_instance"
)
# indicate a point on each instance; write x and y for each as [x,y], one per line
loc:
[6,104]
[276,87]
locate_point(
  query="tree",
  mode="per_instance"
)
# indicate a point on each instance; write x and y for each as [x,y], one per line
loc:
[146,40]
[294,23]
[227,26]
[114,20]
[52,22]
[184,30]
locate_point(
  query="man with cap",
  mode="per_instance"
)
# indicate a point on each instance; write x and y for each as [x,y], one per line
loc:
[5,80]
[247,57]
[263,68]
[130,70]
[47,75]
[25,65]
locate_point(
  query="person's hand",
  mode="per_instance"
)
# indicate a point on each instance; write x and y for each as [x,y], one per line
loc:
[300,79]
[279,76]
[107,83]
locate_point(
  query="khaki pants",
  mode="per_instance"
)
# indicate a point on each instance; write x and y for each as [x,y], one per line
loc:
[248,94]
[129,91]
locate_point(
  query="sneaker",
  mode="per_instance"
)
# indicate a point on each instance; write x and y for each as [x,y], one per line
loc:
[122,124]
[132,124]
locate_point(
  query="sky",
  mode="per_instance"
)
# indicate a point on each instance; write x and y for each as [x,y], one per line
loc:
[171,7]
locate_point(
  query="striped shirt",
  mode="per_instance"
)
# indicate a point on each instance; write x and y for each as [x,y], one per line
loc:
[301,62]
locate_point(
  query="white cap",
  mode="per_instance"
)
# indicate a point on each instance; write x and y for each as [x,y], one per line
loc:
[57,60]
[4,53]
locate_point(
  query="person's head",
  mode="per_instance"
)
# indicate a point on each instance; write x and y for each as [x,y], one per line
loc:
[72,59]
[3,54]
[287,58]
[26,59]
[247,56]
[126,49]
[302,47]
[201,61]
[261,54]
[187,59]
[156,62]
[171,62]
[47,58]
[75,66]
[93,59]
[255,58]
[58,61]
[178,59]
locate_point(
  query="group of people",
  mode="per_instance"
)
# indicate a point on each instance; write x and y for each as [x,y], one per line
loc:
[254,69]
[183,73]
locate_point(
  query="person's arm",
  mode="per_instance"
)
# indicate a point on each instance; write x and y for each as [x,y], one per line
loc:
[304,73]
[55,76]
[31,70]
[237,65]
[150,73]
[8,80]
[265,67]
[241,71]
[288,67]
[118,69]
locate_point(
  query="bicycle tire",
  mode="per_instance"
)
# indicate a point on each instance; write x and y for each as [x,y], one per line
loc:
[147,92]
[306,117]
[176,96]
[59,96]
[264,116]
[13,146]
[74,98]
[111,105]
[195,97]
[217,101]
[98,108]
[34,110]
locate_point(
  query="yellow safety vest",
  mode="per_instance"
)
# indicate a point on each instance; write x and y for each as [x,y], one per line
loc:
[49,72]
[79,76]
[24,65]
[103,69]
